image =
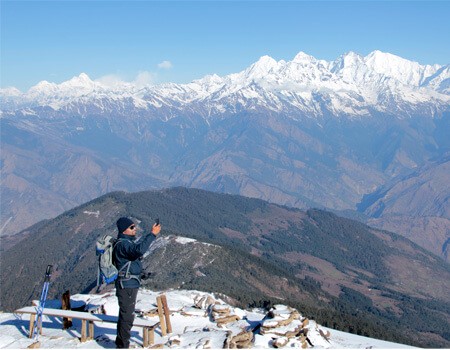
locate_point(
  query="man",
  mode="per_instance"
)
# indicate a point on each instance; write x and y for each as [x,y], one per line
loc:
[127,256]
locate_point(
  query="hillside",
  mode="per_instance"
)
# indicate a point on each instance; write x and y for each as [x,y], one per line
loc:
[343,273]
[415,204]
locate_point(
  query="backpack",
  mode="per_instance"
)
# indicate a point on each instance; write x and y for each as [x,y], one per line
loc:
[107,272]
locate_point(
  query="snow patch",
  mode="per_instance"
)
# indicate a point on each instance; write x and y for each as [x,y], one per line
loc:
[193,324]
[185,240]
[95,213]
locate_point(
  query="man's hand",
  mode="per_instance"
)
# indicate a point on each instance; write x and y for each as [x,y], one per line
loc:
[156,229]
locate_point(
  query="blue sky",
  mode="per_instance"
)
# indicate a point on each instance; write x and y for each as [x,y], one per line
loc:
[179,41]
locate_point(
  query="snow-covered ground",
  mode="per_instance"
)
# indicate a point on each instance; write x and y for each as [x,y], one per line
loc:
[197,322]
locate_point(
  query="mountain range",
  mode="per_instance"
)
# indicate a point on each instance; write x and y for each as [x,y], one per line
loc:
[351,85]
[338,271]
[348,135]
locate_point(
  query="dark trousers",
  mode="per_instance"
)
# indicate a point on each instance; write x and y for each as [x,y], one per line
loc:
[127,302]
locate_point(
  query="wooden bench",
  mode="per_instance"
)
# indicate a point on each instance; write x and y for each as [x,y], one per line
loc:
[87,322]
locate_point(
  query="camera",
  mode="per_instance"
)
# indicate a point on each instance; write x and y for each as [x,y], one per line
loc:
[146,275]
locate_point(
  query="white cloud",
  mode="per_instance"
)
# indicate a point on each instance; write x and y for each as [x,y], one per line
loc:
[165,65]
[110,80]
[144,78]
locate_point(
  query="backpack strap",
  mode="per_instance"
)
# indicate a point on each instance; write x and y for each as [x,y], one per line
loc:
[125,276]
[98,277]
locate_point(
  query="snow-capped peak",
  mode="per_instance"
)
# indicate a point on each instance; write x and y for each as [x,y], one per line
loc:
[81,80]
[42,86]
[10,91]
[78,84]
[261,68]
[265,62]
[209,81]
[398,68]
[350,59]
[302,57]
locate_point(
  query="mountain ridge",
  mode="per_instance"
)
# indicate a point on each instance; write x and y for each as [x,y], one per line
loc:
[336,269]
[348,79]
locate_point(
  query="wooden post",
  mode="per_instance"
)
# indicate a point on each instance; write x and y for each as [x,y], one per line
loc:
[151,336]
[145,336]
[65,302]
[91,330]
[161,316]
[148,335]
[83,331]
[166,313]
[40,324]
[32,319]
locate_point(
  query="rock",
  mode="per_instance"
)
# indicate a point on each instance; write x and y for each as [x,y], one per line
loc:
[220,309]
[242,340]
[325,336]
[227,319]
[192,311]
[35,345]
[280,342]
[150,313]
[204,302]
[174,340]
[280,318]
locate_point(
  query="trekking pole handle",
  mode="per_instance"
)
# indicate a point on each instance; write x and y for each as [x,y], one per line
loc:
[48,273]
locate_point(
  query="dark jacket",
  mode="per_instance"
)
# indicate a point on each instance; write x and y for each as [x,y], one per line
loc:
[128,249]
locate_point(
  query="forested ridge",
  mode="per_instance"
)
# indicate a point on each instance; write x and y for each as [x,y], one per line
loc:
[251,239]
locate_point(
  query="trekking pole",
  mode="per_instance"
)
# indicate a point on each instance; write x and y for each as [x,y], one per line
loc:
[40,307]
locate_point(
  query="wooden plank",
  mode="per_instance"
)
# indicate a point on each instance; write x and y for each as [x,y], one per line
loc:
[139,322]
[161,316]
[60,313]
[148,326]
[166,313]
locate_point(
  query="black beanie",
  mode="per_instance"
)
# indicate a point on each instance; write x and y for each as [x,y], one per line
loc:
[123,224]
